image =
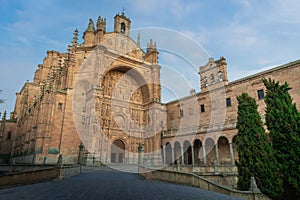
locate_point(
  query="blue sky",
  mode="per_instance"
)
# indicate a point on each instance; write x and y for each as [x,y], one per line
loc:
[252,35]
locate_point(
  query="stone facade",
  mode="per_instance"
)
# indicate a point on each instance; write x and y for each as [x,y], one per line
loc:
[105,96]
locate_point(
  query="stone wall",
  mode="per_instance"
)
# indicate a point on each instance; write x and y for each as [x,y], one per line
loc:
[190,179]
[223,175]
[37,175]
[28,177]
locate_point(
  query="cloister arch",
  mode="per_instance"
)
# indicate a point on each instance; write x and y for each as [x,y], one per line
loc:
[187,153]
[224,151]
[210,151]
[197,151]
[168,153]
[177,152]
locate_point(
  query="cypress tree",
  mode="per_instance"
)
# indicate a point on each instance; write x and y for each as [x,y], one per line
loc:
[256,157]
[283,121]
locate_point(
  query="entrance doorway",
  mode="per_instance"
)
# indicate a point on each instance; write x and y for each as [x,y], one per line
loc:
[117,151]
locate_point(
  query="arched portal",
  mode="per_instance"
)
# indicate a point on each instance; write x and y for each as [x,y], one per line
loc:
[120,110]
[197,149]
[187,153]
[117,151]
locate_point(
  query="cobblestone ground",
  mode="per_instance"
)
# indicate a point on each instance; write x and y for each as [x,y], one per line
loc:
[104,183]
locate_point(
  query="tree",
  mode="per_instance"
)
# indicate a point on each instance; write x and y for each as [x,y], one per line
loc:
[256,157]
[283,122]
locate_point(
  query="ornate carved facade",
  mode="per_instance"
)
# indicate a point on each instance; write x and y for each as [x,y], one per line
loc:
[105,94]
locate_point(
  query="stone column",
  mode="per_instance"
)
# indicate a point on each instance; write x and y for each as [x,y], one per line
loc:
[217,154]
[172,154]
[164,154]
[182,155]
[80,155]
[231,153]
[193,155]
[204,154]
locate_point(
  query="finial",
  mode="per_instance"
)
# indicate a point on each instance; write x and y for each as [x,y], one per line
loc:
[151,44]
[91,26]
[123,10]
[101,24]
[99,21]
[154,46]
[138,40]
[75,38]
[69,47]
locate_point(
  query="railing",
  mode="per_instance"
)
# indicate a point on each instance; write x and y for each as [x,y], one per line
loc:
[194,180]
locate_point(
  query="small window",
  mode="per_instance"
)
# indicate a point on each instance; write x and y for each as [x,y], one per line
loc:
[8,136]
[181,113]
[228,102]
[260,94]
[205,81]
[212,79]
[202,108]
[59,106]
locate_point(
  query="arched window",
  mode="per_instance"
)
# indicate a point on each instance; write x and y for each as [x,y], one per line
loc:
[220,76]
[212,79]
[205,81]
[122,27]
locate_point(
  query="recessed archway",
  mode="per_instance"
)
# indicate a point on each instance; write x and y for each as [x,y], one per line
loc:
[117,151]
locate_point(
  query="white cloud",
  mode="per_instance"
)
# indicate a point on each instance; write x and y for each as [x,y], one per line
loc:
[287,11]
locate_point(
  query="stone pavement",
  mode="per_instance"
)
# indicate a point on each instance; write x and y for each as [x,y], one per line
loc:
[105,183]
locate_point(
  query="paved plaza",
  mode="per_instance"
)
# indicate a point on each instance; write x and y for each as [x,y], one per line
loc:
[105,183]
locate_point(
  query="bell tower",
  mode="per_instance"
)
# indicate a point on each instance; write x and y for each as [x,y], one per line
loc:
[213,74]
[122,24]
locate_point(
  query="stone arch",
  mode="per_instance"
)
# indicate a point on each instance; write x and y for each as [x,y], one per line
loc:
[118,151]
[168,148]
[210,150]
[224,151]
[177,152]
[197,151]
[130,72]
[187,152]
